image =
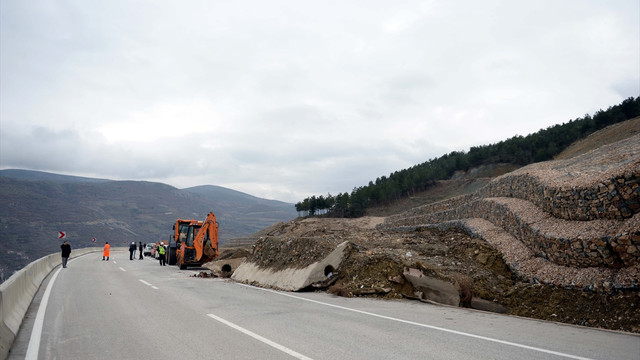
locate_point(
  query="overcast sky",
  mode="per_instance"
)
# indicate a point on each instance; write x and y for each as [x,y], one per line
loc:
[288,99]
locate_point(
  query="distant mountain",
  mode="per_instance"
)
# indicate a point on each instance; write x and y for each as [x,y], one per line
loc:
[242,212]
[45,176]
[34,206]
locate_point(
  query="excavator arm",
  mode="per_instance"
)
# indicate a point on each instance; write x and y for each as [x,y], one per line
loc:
[206,240]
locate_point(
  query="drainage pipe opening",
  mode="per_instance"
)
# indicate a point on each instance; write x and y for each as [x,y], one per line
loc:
[329,271]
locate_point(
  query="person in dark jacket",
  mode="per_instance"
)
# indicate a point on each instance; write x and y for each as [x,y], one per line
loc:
[66,251]
[132,250]
[140,249]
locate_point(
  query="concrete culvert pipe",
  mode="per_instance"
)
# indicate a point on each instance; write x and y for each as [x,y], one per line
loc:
[329,271]
[226,268]
[293,278]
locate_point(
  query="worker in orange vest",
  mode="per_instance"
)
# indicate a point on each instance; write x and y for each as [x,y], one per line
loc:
[105,253]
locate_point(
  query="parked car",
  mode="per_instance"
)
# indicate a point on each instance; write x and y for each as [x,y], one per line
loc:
[147,249]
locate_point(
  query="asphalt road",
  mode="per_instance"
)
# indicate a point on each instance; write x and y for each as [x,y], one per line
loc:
[124,309]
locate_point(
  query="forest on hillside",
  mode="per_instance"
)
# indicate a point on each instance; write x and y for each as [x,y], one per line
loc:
[521,150]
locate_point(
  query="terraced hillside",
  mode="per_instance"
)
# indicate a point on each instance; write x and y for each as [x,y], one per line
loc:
[572,222]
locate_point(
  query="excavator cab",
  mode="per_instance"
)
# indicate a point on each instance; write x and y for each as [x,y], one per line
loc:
[187,247]
[183,231]
[196,242]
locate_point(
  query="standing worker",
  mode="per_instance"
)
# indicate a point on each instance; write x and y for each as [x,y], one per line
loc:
[132,250]
[161,251]
[105,252]
[66,251]
[140,249]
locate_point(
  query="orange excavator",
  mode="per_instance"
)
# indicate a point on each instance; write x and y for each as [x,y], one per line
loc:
[181,230]
[194,242]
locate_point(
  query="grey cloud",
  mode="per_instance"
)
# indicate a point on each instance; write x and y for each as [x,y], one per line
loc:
[296,98]
[628,87]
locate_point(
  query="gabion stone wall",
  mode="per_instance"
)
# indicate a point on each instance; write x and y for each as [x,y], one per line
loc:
[581,212]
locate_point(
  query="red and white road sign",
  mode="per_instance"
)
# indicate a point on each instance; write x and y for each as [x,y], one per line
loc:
[94,239]
[62,234]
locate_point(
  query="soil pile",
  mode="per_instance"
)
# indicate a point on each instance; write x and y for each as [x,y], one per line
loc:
[377,259]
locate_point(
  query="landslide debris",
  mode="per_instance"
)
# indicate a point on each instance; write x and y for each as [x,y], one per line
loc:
[278,253]
[378,258]
[374,267]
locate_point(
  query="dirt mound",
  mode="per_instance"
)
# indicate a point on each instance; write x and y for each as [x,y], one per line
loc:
[377,259]
[233,253]
[295,252]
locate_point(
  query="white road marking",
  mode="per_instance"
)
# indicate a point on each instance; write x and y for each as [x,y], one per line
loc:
[123,269]
[146,283]
[426,326]
[260,338]
[36,333]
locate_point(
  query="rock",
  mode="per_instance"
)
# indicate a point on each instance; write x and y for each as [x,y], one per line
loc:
[483,258]
[433,289]
[486,305]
